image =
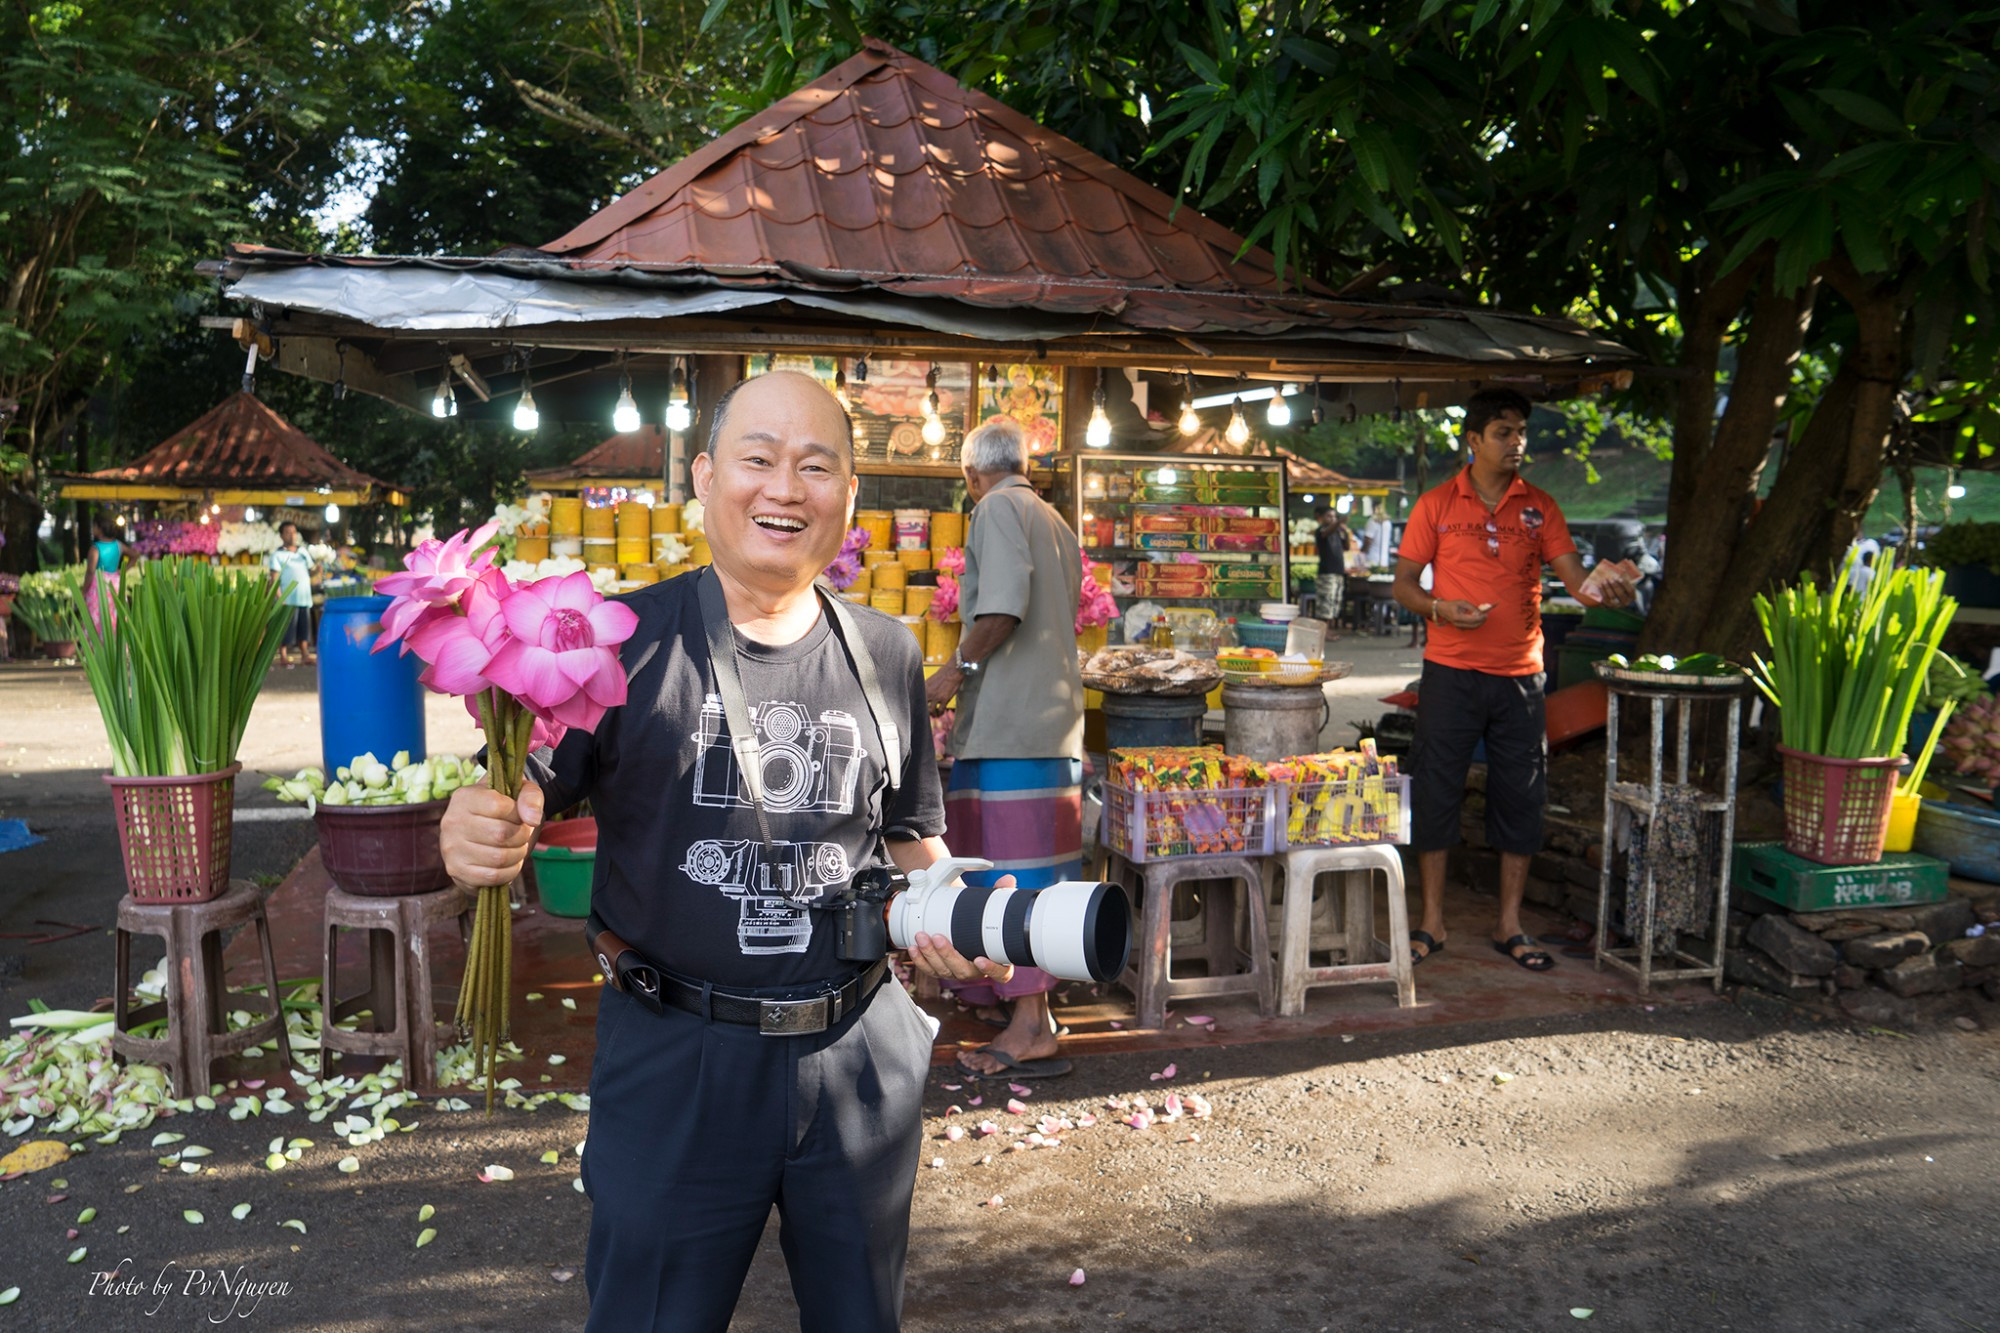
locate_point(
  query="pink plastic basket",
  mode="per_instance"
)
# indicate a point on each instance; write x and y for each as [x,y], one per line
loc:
[175,834]
[1144,826]
[1837,810]
[1344,814]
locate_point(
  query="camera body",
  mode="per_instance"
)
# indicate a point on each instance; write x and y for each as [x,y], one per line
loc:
[774,886]
[808,763]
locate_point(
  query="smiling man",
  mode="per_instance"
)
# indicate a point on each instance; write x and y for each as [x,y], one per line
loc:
[1485,535]
[741,1063]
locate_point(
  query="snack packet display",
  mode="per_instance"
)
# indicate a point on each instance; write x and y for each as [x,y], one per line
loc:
[1342,797]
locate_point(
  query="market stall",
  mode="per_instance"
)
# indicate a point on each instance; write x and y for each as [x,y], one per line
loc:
[222,484]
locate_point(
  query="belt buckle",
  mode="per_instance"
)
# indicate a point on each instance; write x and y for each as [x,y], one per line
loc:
[795,1018]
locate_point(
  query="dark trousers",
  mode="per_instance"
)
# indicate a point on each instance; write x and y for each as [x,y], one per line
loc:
[697,1128]
[1456,710]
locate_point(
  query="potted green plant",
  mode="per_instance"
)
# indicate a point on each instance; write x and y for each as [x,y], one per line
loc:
[1969,555]
[378,823]
[1846,671]
[50,604]
[175,660]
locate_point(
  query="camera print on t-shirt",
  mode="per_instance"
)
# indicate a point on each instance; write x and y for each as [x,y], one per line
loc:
[809,765]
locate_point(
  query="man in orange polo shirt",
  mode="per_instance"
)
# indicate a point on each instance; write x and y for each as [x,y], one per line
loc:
[1485,535]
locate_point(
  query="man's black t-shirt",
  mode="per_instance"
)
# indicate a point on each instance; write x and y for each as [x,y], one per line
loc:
[682,875]
[1331,546]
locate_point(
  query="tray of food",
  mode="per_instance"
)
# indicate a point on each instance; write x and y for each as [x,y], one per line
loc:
[1664,671]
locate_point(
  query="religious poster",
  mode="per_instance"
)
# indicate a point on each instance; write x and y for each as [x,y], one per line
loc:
[1031,396]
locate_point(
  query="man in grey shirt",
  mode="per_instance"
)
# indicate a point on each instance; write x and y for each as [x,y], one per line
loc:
[1015,796]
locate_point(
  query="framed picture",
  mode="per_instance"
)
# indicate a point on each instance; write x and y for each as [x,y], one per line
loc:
[1032,396]
[889,406]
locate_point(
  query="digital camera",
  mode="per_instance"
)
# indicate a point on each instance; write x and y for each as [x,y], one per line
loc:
[1079,930]
[808,764]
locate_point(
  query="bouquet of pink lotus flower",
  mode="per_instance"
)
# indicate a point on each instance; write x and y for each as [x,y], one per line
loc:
[531,660]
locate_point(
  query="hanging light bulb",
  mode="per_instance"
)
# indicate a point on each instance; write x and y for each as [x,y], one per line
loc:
[861,371]
[625,416]
[525,415]
[215,509]
[1238,431]
[1190,421]
[1397,415]
[332,512]
[840,389]
[204,518]
[933,432]
[680,413]
[1279,413]
[1097,434]
[444,403]
[340,374]
[1318,411]
[249,515]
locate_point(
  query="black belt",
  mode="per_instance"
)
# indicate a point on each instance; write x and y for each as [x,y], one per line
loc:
[654,987]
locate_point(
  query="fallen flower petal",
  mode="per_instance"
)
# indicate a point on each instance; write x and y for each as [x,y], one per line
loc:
[1076,1278]
[995,1201]
[493,1173]
[954,1133]
[1016,1107]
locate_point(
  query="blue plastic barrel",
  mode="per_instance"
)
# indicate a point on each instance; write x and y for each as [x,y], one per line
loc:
[368,701]
[1146,719]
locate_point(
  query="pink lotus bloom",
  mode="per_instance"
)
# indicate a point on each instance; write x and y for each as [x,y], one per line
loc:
[560,658]
[434,575]
[457,647]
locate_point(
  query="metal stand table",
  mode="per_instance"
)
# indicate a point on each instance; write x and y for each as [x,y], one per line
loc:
[1645,803]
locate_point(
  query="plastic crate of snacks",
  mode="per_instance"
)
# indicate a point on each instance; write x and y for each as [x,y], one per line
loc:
[1174,801]
[1342,798]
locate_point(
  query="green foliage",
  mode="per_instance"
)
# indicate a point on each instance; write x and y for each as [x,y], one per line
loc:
[1847,668]
[50,603]
[1965,544]
[176,662]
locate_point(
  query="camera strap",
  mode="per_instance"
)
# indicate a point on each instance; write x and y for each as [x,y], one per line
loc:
[736,709]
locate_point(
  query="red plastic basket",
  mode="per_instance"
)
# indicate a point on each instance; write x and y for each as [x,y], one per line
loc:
[383,851]
[1837,810]
[1144,826]
[175,834]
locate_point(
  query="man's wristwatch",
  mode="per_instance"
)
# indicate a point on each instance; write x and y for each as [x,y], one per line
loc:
[966,668]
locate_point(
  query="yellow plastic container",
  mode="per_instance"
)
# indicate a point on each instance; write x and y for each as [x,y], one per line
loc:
[890,574]
[534,550]
[881,525]
[666,518]
[916,601]
[600,524]
[671,571]
[940,639]
[864,583]
[566,516]
[872,557]
[598,551]
[916,624]
[887,600]
[1903,812]
[635,519]
[635,550]
[947,529]
[642,573]
[698,552]
[909,559]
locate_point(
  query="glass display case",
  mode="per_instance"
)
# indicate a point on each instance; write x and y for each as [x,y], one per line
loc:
[1181,530]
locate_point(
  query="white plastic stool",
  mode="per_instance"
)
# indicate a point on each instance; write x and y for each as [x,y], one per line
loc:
[1365,957]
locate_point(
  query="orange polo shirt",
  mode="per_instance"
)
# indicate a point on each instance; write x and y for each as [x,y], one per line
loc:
[1482,557]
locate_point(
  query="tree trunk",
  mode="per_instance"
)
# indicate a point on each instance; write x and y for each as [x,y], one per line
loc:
[1830,476]
[1717,483]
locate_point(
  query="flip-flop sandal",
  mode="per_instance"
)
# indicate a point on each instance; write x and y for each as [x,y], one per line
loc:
[1431,946]
[1535,960]
[1012,1068]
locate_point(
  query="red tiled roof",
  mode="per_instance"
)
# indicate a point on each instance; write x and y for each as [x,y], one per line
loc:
[239,443]
[639,453]
[885,173]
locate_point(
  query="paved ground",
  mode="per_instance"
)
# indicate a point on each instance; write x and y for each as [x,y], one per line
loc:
[1684,1166]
